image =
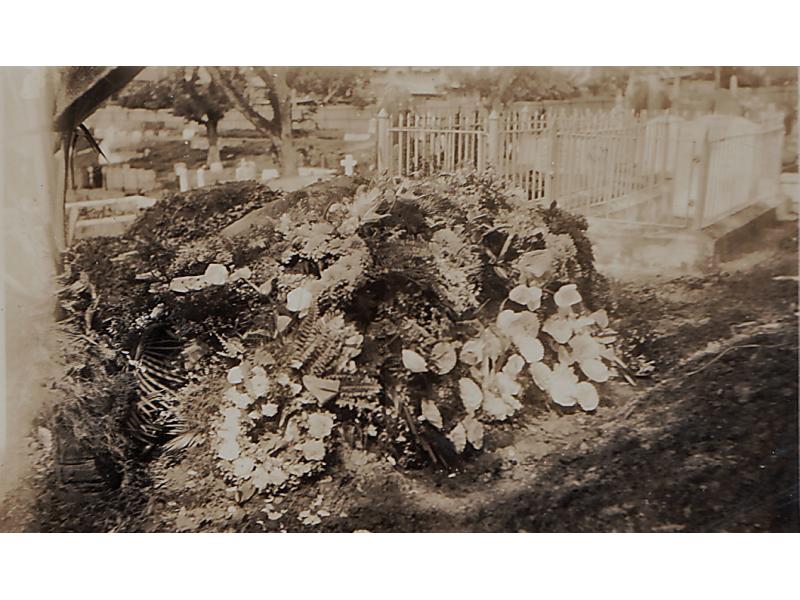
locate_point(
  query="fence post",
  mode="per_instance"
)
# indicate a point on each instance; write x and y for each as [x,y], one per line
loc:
[493,140]
[384,155]
[702,191]
[551,192]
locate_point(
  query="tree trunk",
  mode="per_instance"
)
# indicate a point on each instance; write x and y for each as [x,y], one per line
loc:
[213,142]
[287,156]
[287,153]
[279,128]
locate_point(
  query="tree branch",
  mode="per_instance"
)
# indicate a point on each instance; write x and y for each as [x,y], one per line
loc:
[266,126]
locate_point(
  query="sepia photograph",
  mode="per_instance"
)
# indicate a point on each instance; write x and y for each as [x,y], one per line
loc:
[400,299]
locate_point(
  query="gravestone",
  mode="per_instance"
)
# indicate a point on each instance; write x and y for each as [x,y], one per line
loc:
[246,170]
[267,174]
[183,176]
[348,162]
[216,167]
[201,177]
[129,179]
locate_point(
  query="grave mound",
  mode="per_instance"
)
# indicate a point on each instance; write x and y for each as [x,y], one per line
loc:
[405,317]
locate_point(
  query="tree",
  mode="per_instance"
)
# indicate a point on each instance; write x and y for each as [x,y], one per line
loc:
[345,85]
[190,93]
[503,86]
[279,85]
[278,95]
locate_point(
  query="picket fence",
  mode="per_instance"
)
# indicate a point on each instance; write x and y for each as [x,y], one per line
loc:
[613,163]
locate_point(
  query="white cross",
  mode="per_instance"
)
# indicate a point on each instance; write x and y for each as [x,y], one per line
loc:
[348,163]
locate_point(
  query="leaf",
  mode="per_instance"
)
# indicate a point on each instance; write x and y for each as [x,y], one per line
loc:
[567,295]
[265,289]
[216,274]
[229,450]
[472,352]
[493,347]
[519,294]
[585,347]
[542,376]
[495,406]
[269,410]
[299,299]
[414,362]
[514,365]
[243,467]
[322,389]
[559,328]
[530,348]
[471,394]
[530,296]
[281,323]
[474,429]
[239,399]
[505,321]
[258,384]
[444,357]
[242,273]
[259,478]
[582,323]
[535,263]
[236,375]
[506,387]
[458,436]
[320,425]
[563,385]
[586,395]
[565,356]
[313,450]
[431,414]
[277,477]
[190,283]
[600,317]
[525,324]
[594,369]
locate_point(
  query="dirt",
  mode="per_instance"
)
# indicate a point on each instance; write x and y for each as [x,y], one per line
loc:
[709,442]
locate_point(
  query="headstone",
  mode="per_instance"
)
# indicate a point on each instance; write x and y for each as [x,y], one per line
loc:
[188,133]
[348,162]
[183,176]
[246,170]
[216,167]
[268,174]
[734,84]
[201,177]
[129,178]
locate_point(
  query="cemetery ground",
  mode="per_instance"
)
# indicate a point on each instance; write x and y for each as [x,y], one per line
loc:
[706,441]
